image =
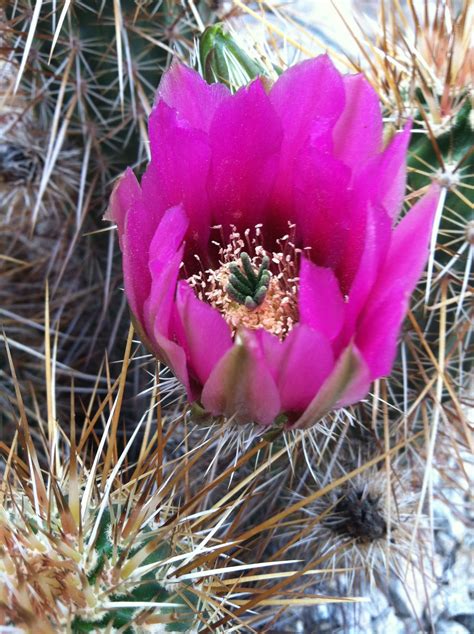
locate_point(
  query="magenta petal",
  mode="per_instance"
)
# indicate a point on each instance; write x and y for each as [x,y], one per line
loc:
[300,364]
[178,171]
[358,387]
[158,313]
[245,139]
[166,252]
[390,174]
[272,350]
[380,322]
[377,240]
[164,262]
[167,239]
[241,384]
[175,358]
[309,98]
[324,205]
[320,301]
[126,191]
[310,90]
[127,209]
[136,239]
[206,335]
[348,383]
[184,90]
[358,132]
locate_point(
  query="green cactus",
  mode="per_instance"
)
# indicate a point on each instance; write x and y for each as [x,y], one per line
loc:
[453,146]
[91,586]
[175,614]
[448,159]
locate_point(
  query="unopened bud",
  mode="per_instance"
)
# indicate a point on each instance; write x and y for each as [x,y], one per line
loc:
[222,60]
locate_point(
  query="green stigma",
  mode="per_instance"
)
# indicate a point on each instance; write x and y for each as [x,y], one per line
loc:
[246,285]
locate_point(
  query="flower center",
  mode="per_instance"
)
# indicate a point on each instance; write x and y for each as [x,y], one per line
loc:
[247,286]
[252,287]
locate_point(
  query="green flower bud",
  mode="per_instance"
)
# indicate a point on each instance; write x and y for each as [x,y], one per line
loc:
[222,60]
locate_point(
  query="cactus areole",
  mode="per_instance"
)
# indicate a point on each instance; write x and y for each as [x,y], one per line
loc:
[263,257]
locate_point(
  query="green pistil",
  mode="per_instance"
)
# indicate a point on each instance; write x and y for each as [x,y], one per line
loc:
[246,285]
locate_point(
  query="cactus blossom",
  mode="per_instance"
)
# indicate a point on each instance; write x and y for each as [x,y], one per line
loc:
[262,253]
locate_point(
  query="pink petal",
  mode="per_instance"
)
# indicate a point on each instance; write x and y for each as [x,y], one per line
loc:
[390,173]
[178,172]
[299,364]
[324,204]
[310,90]
[242,385]
[380,322]
[359,385]
[125,193]
[165,258]
[245,139]
[309,98]
[166,252]
[175,358]
[195,101]
[134,223]
[205,334]
[358,132]
[320,301]
[136,238]
[160,309]
[367,205]
[376,243]
[348,383]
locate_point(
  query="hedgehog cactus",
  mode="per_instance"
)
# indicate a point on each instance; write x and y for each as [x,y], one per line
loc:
[53,580]
[441,99]
[448,158]
[441,146]
[84,549]
[445,154]
[76,82]
[96,544]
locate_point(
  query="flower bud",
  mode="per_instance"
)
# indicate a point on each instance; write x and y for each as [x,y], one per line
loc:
[222,60]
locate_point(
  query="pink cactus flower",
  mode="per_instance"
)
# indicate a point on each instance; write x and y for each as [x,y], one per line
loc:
[262,255]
